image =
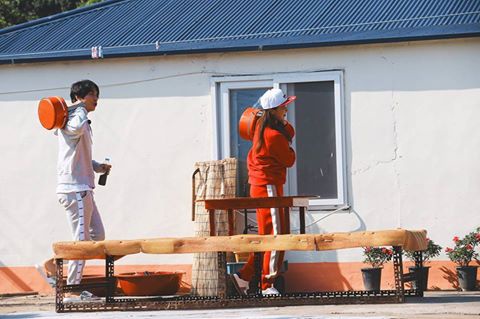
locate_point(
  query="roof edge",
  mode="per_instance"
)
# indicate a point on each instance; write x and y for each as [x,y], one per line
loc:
[58,16]
[415,34]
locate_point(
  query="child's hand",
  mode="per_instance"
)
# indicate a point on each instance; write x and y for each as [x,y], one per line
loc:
[105,168]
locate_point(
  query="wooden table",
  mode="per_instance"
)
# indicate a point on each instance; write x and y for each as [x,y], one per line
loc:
[232,204]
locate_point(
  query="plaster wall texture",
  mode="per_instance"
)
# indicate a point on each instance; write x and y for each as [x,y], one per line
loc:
[411,113]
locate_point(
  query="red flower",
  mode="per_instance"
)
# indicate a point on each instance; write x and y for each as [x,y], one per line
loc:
[469,247]
[367,249]
[448,249]
[477,236]
[456,239]
[384,250]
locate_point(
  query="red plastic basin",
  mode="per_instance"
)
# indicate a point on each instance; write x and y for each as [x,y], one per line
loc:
[158,283]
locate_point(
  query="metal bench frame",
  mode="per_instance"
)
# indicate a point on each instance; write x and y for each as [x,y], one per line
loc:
[227,299]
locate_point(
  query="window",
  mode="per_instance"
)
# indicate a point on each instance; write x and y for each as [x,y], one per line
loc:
[317,116]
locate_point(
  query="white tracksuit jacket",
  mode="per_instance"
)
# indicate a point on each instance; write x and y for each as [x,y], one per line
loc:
[75,165]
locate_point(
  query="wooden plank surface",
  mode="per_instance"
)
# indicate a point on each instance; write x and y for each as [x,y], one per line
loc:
[259,202]
[410,240]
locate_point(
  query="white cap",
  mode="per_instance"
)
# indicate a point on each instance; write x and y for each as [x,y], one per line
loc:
[274,98]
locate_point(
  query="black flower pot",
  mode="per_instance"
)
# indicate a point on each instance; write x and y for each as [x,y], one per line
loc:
[371,278]
[467,277]
[422,274]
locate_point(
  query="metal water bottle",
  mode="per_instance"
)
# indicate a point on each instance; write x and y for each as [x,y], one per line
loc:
[102,180]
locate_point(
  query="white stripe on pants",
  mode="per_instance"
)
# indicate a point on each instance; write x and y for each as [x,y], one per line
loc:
[275,213]
[86,224]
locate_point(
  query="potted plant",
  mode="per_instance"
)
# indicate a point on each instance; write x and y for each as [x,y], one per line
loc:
[462,254]
[433,250]
[376,257]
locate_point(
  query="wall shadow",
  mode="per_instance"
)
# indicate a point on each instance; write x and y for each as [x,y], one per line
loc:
[450,276]
[7,274]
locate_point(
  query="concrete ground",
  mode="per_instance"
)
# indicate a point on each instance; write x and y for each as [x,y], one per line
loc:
[448,305]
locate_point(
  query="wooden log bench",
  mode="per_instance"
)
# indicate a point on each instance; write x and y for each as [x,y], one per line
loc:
[110,250]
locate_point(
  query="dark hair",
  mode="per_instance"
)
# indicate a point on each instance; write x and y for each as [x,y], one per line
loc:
[82,88]
[268,119]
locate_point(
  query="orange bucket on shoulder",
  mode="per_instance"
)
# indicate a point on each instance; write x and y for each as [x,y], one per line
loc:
[52,112]
[247,123]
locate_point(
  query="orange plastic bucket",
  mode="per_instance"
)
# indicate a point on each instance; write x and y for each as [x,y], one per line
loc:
[52,112]
[247,123]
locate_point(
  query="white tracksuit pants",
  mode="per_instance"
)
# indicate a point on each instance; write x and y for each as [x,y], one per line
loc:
[86,224]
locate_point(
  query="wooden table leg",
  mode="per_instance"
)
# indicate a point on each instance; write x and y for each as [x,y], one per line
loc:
[286,211]
[230,222]
[255,285]
[302,220]
[245,220]
[211,221]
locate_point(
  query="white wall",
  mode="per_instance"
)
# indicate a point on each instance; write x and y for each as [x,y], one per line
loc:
[411,130]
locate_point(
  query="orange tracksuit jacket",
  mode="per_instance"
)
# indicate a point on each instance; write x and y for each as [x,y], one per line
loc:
[267,170]
[269,165]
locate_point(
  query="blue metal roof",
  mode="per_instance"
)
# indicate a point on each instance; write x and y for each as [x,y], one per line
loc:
[157,27]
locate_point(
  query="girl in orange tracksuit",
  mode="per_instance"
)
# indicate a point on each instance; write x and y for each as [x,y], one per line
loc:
[267,162]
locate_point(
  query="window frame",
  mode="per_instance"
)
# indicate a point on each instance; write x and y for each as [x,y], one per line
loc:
[225,102]
[220,87]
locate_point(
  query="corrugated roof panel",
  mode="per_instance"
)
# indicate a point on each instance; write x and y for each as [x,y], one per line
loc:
[314,20]
[69,35]
[69,29]
[245,15]
[383,14]
[463,7]
[242,13]
[311,23]
[113,34]
[152,19]
[149,27]
[357,16]
[169,23]
[421,12]
[117,34]
[325,18]
[9,42]
[332,20]
[95,25]
[6,42]
[389,21]
[146,25]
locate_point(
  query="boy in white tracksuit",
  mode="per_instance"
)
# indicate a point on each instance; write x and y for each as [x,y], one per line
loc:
[75,172]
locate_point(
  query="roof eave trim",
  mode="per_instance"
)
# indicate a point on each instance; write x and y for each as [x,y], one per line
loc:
[244,45]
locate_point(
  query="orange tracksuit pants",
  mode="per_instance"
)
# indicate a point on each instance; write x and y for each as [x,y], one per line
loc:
[271,221]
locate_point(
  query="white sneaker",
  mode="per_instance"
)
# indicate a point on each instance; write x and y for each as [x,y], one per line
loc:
[88,296]
[72,299]
[84,296]
[240,285]
[270,291]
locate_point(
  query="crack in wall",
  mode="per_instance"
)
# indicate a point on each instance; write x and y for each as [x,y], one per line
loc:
[393,160]
[395,170]
[373,165]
